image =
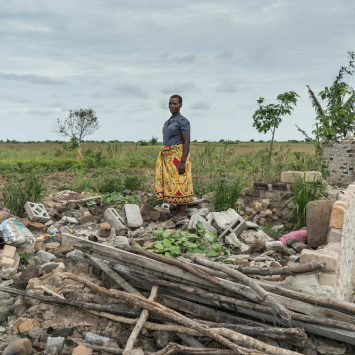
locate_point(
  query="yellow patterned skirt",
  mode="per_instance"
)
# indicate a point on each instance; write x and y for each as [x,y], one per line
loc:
[169,185]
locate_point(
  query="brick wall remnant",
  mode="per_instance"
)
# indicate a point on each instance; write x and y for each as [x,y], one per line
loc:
[340,160]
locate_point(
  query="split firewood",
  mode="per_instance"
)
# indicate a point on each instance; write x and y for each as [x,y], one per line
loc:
[267,297]
[287,270]
[49,291]
[245,304]
[127,287]
[144,316]
[159,309]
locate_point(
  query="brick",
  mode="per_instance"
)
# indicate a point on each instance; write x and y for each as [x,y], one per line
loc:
[24,325]
[330,258]
[7,262]
[242,262]
[82,350]
[104,230]
[337,216]
[65,248]
[9,251]
[39,246]
[37,227]
[154,216]
[52,246]
[81,268]
[145,209]
[327,279]
[334,235]
[85,219]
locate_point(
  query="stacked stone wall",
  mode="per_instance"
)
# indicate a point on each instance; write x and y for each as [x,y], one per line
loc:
[339,159]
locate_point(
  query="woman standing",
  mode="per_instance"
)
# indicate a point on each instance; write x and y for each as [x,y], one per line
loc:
[173,179]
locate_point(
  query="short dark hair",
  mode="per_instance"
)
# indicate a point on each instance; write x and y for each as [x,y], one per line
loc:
[177,97]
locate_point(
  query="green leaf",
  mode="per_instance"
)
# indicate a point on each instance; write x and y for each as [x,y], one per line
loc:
[158,245]
[211,252]
[166,242]
[168,255]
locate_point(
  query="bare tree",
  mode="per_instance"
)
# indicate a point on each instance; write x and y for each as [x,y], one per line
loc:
[78,124]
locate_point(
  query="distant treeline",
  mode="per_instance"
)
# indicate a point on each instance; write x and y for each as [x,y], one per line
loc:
[142,142]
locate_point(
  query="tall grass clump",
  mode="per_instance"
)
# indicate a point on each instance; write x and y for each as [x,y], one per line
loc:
[227,192]
[302,193]
[21,188]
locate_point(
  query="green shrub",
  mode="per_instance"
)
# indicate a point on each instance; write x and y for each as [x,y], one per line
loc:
[111,184]
[21,188]
[302,193]
[227,192]
[132,182]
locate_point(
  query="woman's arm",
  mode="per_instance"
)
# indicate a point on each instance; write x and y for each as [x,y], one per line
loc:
[185,153]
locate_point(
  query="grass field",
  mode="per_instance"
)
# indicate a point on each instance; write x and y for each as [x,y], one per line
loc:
[247,160]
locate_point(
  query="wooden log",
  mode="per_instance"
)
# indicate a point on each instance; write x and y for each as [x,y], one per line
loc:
[156,308]
[140,323]
[287,270]
[267,297]
[289,303]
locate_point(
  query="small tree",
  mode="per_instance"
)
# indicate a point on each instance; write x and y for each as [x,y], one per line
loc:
[77,125]
[269,117]
[339,115]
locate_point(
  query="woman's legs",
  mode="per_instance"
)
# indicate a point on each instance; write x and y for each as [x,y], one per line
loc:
[181,211]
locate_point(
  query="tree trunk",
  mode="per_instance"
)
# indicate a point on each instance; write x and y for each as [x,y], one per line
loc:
[271,144]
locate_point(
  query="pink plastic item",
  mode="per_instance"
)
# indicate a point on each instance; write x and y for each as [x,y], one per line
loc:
[300,235]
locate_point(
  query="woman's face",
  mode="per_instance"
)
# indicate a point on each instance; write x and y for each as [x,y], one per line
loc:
[174,105]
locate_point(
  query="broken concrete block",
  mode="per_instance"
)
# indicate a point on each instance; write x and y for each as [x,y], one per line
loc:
[133,216]
[9,251]
[71,220]
[104,230]
[330,258]
[232,239]
[317,222]
[121,230]
[195,218]
[19,346]
[7,262]
[292,176]
[44,256]
[120,240]
[112,217]
[337,216]
[228,222]
[334,235]
[252,225]
[36,212]
[54,345]
[48,267]
[85,219]
[168,224]
[327,279]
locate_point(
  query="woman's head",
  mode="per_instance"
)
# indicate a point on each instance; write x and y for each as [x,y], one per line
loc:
[175,103]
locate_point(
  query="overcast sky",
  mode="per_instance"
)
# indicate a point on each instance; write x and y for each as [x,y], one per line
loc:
[125,58]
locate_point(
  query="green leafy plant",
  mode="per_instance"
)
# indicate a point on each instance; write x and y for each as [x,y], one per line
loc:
[302,193]
[90,203]
[227,192]
[5,315]
[269,117]
[339,115]
[21,188]
[173,245]
[25,257]
[132,182]
[117,198]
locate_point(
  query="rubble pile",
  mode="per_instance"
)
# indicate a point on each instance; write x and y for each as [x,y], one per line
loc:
[65,263]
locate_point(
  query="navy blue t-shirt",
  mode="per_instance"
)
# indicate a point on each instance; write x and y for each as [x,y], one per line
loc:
[173,130]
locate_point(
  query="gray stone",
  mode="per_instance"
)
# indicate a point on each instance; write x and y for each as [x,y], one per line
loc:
[232,239]
[120,240]
[54,345]
[70,220]
[260,234]
[168,224]
[112,217]
[161,338]
[272,235]
[309,351]
[133,216]
[203,212]
[317,221]
[121,230]
[329,347]
[48,267]
[257,247]
[36,333]
[2,329]
[20,310]
[275,246]
[36,212]
[298,247]
[248,236]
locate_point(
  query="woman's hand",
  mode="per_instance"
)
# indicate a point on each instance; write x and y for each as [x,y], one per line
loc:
[182,168]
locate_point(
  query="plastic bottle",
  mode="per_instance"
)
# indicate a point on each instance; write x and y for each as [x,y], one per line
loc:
[92,336]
